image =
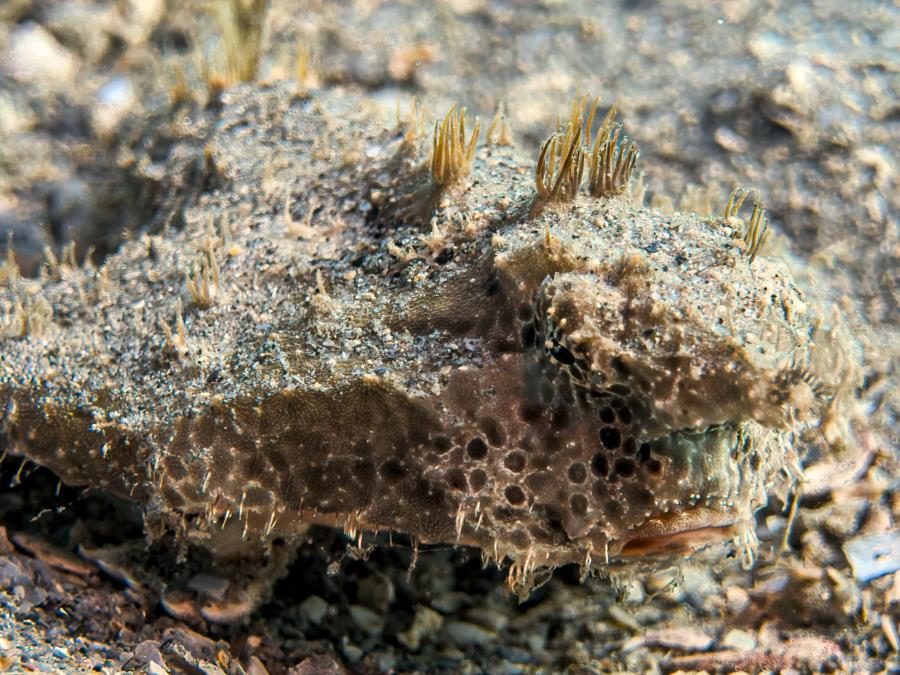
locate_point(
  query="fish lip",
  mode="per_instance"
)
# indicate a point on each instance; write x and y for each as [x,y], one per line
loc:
[670,533]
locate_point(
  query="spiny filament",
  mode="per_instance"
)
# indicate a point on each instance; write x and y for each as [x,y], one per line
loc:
[757,228]
[452,154]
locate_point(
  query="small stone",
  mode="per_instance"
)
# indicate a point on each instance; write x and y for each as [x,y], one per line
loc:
[366,620]
[255,667]
[238,605]
[873,555]
[313,609]
[731,141]
[153,668]
[209,585]
[385,662]
[79,26]
[425,624]
[180,607]
[450,603]
[376,591]
[487,617]
[34,56]
[739,639]
[199,646]
[632,592]
[114,100]
[321,664]
[685,638]
[52,555]
[623,618]
[465,634]
[148,652]
[351,652]
[737,599]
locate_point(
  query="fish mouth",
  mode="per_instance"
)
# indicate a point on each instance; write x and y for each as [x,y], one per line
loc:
[680,533]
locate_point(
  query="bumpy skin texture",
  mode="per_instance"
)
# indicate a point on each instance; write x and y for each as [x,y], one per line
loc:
[578,382]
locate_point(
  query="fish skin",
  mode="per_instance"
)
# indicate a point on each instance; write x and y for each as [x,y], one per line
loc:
[586,381]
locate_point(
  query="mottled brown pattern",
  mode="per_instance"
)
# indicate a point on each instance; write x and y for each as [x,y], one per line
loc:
[576,382]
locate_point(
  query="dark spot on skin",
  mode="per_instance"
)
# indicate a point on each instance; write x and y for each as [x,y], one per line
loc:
[613,508]
[552,443]
[577,473]
[541,461]
[625,415]
[528,335]
[530,412]
[579,504]
[477,480]
[363,470]
[600,465]
[629,446]
[624,467]
[607,415]
[538,481]
[643,497]
[514,495]
[456,479]
[644,453]
[620,389]
[548,392]
[477,449]
[754,462]
[514,461]
[525,313]
[619,366]
[492,430]
[444,256]
[561,354]
[492,285]
[610,437]
[442,444]
[654,466]
[600,490]
[559,418]
[392,470]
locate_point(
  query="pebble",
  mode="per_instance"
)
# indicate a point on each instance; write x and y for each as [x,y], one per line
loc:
[366,620]
[350,651]
[632,592]
[255,667]
[153,668]
[209,585]
[114,100]
[873,555]
[376,591]
[385,661]
[199,646]
[739,639]
[34,56]
[426,623]
[700,587]
[465,634]
[450,603]
[313,609]
[737,599]
[78,25]
[685,638]
[147,652]
[488,618]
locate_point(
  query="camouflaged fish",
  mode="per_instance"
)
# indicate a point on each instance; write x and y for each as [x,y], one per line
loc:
[368,326]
